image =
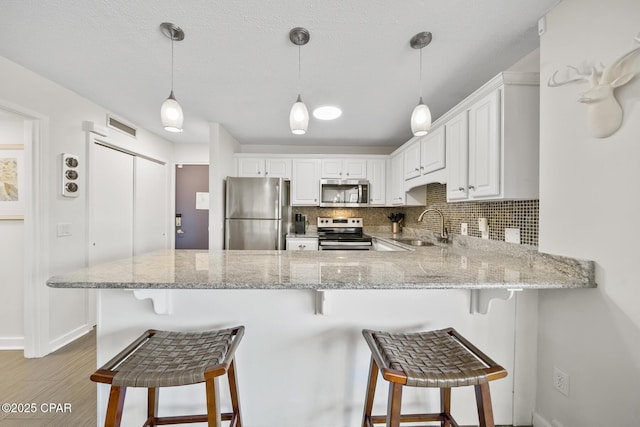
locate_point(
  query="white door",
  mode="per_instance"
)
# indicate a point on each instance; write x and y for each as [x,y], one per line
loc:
[432,151]
[111,205]
[484,147]
[354,169]
[150,203]
[250,167]
[377,182]
[456,134]
[278,168]
[412,160]
[305,182]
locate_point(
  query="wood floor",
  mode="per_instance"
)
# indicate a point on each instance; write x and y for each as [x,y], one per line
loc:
[47,384]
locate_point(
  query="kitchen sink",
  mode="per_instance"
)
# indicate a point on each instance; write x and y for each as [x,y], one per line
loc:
[414,242]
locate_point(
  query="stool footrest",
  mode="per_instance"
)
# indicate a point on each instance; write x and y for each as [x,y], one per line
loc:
[415,418]
[185,419]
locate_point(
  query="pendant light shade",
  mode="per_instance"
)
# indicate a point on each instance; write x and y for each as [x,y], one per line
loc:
[299,117]
[171,113]
[421,116]
[421,119]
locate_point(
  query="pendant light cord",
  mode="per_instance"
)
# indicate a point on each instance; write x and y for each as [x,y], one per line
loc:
[420,88]
[299,67]
[173,36]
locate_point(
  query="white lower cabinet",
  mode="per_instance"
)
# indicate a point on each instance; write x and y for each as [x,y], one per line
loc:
[302,243]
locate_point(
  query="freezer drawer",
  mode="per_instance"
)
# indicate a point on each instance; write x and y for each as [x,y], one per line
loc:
[253,234]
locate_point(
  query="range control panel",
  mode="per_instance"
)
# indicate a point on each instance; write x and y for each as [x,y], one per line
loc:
[339,222]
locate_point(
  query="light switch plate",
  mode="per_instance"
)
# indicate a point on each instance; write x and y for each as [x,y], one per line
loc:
[512,235]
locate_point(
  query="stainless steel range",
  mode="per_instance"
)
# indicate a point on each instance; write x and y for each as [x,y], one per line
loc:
[342,234]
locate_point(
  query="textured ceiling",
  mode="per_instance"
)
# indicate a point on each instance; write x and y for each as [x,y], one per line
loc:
[238,68]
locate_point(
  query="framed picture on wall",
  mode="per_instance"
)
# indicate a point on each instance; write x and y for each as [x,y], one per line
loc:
[12,182]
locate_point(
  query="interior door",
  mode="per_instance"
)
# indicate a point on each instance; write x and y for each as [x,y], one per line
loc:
[192,219]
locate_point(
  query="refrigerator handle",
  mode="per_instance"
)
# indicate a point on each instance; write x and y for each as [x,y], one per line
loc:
[279,242]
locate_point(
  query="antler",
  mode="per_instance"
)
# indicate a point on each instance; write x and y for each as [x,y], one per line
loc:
[575,75]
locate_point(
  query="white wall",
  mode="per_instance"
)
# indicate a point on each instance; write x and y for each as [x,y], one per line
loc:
[65,110]
[588,209]
[221,164]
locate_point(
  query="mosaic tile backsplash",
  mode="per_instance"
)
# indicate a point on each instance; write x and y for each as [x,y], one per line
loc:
[521,214]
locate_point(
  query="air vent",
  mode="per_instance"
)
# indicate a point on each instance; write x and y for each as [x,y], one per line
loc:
[122,127]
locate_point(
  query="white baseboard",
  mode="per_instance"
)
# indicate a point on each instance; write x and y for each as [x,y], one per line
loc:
[70,336]
[539,421]
[14,343]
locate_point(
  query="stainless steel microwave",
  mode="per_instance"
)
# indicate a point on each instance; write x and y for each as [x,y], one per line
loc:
[344,193]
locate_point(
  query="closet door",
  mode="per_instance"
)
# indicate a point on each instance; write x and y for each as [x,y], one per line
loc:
[110,204]
[150,206]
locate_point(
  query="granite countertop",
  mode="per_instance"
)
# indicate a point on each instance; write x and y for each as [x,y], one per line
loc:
[433,267]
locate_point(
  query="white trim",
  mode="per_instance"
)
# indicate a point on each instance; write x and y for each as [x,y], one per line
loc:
[36,231]
[70,336]
[16,343]
[539,421]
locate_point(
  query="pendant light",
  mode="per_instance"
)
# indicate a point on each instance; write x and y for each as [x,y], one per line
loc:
[171,112]
[421,116]
[299,115]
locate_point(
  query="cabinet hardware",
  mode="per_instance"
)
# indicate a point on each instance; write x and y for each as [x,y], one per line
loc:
[471,187]
[460,188]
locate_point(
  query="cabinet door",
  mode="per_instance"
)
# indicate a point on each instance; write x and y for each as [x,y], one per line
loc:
[484,146]
[432,151]
[354,169]
[305,182]
[331,168]
[412,160]
[397,179]
[251,167]
[456,134]
[377,182]
[278,168]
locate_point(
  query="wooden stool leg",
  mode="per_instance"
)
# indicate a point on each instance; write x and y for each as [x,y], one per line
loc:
[394,404]
[233,389]
[152,406]
[445,406]
[371,390]
[483,400]
[213,403]
[114,409]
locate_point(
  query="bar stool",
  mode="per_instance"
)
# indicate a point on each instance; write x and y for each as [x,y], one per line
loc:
[442,359]
[167,359]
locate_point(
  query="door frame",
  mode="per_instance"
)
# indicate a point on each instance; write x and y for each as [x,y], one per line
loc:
[36,230]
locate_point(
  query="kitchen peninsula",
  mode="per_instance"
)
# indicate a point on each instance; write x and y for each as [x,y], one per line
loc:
[318,364]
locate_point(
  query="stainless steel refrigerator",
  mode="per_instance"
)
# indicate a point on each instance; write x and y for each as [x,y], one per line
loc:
[257,213]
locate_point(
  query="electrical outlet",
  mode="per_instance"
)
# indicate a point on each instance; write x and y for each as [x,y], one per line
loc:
[464,229]
[512,235]
[561,381]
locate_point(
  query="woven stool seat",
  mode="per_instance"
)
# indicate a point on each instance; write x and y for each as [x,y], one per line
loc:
[430,359]
[441,359]
[168,359]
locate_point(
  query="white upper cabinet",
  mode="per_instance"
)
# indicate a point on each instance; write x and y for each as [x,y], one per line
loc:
[397,196]
[423,156]
[484,146]
[377,181]
[344,168]
[432,151]
[456,136]
[264,167]
[305,182]
[493,141]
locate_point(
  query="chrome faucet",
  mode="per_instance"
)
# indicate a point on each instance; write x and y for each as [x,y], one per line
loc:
[444,236]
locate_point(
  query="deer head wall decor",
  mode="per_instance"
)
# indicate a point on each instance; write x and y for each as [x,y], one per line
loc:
[604,112]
